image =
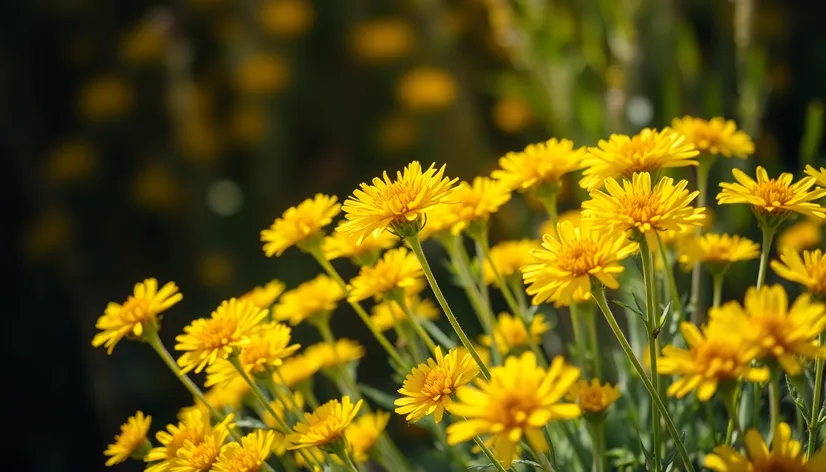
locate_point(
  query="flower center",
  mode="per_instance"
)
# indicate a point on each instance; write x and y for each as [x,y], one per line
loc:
[397,198]
[136,310]
[773,193]
[780,464]
[516,409]
[637,153]
[256,355]
[245,461]
[592,400]
[579,257]
[186,434]
[514,335]
[642,210]
[436,384]
[203,456]
[328,429]
[218,333]
[817,277]
[717,358]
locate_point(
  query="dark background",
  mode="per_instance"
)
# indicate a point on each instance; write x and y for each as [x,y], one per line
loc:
[103,192]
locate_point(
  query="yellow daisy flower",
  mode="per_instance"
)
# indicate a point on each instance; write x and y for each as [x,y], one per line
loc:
[517,402]
[139,312]
[573,216]
[382,40]
[313,300]
[636,206]
[569,261]
[818,174]
[648,151]
[202,456]
[397,269]
[808,270]
[426,89]
[325,425]
[785,454]
[593,397]
[508,258]
[297,369]
[131,442]
[247,456]
[804,234]
[510,334]
[776,330]
[193,427]
[772,200]
[539,164]
[387,204]
[428,388]
[714,355]
[229,396]
[339,245]
[328,356]
[388,313]
[477,201]
[299,223]
[280,408]
[316,454]
[364,432]
[716,250]
[228,330]
[717,136]
[263,297]
[440,218]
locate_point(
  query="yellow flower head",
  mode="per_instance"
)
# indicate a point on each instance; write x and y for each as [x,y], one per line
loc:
[510,334]
[263,297]
[539,164]
[287,18]
[201,456]
[314,299]
[225,332]
[509,257]
[247,456]
[297,369]
[426,89]
[382,40]
[569,261]
[716,250]
[364,432]
[648,151]
[299,223]
[477,201]
[428,388]
[325,425]
[512,115]
[268,346]
[388,203]
[713,356]
[801,235]
[340,244]
[193,427]
[785,455]
[397,269]
[440,219]
[772,200]
[131,442]
[517,402]
[808,270]
[262,74]
[105,97]
[226,397]
[328,355]
[776,330]
[279,446]
[818,174]
[140,310]
[388,313]
[593,397]
[636,206]
[716,137]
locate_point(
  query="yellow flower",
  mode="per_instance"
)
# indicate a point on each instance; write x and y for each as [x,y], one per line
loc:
[139,312]
[714,355]
[593,397]
[229,396]
[156,187]
[509,257]
[325,425]
[263,297]
[318,455]
[341,244]
[397,269]
[538,164]
[428,388]
[510,334]
[517,402]
[287,18]
[772,200]
[809,270]
[262,74]
[570,260]
[648,151]
[248,123]
[477,201]
[573,216]
[776,330]
[512,115]
[388,313]
[297,369]
[388,203]
[327,355]
[397,132]
[73,160]
[299,223]
[716,136]
[131,442]
[105,97]
[269,345]
[225,332]
[364,432]
[785,455]
[247,456]
[440,219]
[818,175]
[801,235]
[279,445]
[426,89]
[145,42]
[636,206]
[382,40]
[314,299]
[201,456]
[716,250]
[193,427]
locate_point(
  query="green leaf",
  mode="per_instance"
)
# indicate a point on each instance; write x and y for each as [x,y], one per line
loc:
[437,334]
[632,309]
[797,396]
[517,461]
[383,399]
[250,423]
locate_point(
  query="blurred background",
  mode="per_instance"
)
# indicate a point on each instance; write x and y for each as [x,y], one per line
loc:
[156,139]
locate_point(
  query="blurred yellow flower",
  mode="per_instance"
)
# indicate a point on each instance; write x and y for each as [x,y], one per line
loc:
[818,175]
[137,314]
[193,427]
[145,42]
[73,160]
[247,455]
[510,334]
[647,151]
[287,18]
[785,454]
[512,115]
[387,313]
[383,40]
[716,136]
[313,300]
[539,164]
[299,368]
[476,201]
[593,397]
[716,250]
[328,356]
[131,442]
[47,234]
[324,425]
[279,407]
[440,218]
[340,244]
[364,432]
[801,235]
[105,97]
[426,89]
[509,257]
[155,187]
[262,74]
[808,270]
[397,269]
[300,223]
[397,132]
[225,397]
[264,296]
[248,123]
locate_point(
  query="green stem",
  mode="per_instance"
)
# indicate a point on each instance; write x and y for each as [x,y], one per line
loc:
[774,398]
[732,410]
[428,341]
[548,199]
[717,280]
[768,236]
[593,335]
[461,262]
[579,338]
[653,325]
[599,296]
[544,461]
[703,170]
[711,422]
[757,391]
[491,457]
[672,284]
[348,461]
[416,246]
[811,447]
[595,428]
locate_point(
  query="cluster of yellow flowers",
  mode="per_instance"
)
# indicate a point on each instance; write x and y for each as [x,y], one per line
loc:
[506,393]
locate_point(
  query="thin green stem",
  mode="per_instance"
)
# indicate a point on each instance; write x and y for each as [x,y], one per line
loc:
[599,297]
[703,170]
[548,199]
[416,246]
[486,450]
[765,250]
[676,302]
[717,280]
[774,398]
[595,428]
[544,461]
[428,341]
[653,325]
[757,392]
[732,409]
[811,447]
[593,335]
[579,337]
[348,461]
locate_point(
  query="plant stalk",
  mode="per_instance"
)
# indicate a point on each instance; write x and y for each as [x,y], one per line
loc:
[814,427]
[652,318]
